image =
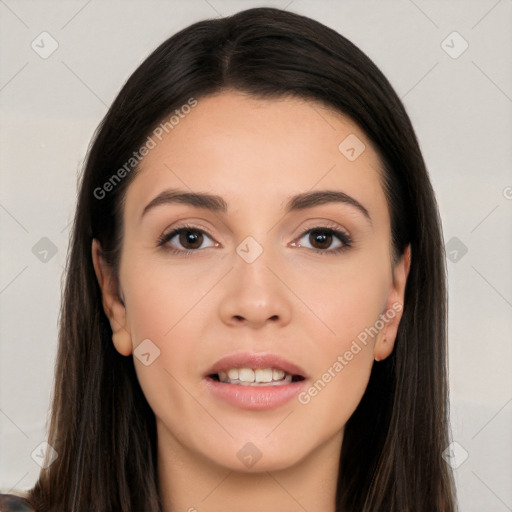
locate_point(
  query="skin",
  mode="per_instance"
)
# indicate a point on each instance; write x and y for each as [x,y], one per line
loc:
[305,306]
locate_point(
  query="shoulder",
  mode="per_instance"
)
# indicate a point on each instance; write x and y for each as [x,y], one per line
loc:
[14,503]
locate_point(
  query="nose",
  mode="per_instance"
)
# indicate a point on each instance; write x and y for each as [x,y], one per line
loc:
[255,293]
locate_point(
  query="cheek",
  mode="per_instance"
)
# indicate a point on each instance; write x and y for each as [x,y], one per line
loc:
[343,359]
[347,303]
[159,310]
[162,306]
[159,297]
[344,298]
[159,313]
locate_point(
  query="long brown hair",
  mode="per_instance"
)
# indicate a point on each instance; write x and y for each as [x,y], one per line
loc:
[101,424]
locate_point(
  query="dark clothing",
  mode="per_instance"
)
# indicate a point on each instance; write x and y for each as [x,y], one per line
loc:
[13,503]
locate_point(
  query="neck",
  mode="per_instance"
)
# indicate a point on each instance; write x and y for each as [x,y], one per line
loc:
[189,482]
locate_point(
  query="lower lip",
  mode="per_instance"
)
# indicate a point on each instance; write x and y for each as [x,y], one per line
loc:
[254,397]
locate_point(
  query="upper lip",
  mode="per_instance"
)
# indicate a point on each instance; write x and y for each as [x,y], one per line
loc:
[255,361]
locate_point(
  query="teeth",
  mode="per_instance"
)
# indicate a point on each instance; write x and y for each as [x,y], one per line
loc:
[277,374]
[246,375]
[263,375]
[250,377]
[233,373]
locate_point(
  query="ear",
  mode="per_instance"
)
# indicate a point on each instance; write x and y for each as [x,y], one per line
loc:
[112,304]
[393,310]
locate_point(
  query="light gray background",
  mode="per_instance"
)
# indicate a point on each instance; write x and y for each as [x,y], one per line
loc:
[460,107]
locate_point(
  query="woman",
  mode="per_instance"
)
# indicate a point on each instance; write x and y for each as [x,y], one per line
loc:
[255,307]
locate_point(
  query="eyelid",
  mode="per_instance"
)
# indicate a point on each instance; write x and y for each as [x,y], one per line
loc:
[185,223]
[171,233]
[323,224]
[337,231]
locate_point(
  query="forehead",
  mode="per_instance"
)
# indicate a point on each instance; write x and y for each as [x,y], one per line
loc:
[259,151]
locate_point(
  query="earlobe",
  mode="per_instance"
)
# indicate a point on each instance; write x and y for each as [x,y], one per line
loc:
[122,341]
[113,305]
[394,307]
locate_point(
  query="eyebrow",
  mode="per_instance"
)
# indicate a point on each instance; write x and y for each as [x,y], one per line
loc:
[217,204]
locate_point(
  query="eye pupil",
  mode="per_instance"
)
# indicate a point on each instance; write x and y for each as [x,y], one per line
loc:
[321,237]
[190,236]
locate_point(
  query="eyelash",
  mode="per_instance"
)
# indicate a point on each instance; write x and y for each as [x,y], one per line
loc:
[343,237]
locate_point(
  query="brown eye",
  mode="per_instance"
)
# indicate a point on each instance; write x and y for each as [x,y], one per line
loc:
[190,236]
[320,238]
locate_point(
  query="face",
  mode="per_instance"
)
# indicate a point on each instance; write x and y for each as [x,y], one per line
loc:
[265,285]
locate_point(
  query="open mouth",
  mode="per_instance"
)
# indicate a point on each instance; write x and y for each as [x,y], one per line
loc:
[254,381]
[256,377]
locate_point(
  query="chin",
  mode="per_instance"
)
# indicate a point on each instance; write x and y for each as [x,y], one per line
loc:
[257,456]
